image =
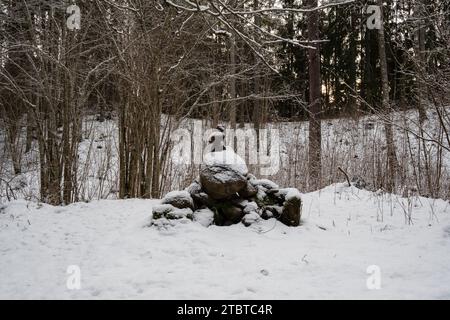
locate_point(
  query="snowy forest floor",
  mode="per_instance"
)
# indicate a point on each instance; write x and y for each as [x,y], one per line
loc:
[343,232]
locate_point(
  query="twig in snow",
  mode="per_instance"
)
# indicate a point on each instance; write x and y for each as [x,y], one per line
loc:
[304,260]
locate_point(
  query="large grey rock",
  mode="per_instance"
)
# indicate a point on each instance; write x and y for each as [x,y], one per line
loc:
[221,181]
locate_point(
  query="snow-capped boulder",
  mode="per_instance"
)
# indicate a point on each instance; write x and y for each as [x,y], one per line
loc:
[292,206]
[179,199]
[226,158]
[221,181]
[264,184]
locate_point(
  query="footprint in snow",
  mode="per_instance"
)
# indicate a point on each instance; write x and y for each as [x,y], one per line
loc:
[95,293]
[447,232]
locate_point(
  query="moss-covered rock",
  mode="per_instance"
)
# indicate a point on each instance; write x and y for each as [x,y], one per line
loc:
[168,211]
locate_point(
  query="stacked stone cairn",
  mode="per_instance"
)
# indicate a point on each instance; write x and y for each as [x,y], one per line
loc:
[226,194]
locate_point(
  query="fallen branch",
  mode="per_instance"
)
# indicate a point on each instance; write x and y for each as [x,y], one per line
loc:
[346,176]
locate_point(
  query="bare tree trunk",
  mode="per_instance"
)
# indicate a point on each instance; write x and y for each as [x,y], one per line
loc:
[30,131]
[391,153]
[315,137]
[233,82]
[257,104]
[420,61]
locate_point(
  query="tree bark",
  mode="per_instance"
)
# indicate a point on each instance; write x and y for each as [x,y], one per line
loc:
[389,135]
[315,137]
[420,61]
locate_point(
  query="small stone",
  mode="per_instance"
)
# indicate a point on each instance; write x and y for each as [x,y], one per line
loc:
[264,272]
[250,218]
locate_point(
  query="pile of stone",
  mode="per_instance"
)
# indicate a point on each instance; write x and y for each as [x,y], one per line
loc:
[226,194]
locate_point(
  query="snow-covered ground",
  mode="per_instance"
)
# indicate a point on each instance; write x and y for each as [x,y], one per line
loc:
[343,232]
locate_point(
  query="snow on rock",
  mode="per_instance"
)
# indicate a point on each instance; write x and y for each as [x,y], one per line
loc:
[220,181]
[261,195]
[264,183]
[204,216]
[292,207]
[180,213]
[194,188]
[119,258]
[250,207]
[228,158]
[161,210]
[290,193]
[224,190]
[272,211]
[179,199]
[250,218]
[171,212]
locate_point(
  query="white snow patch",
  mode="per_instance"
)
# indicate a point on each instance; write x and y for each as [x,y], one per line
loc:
[204,216]
[291,193]
[250,207]
[341,235]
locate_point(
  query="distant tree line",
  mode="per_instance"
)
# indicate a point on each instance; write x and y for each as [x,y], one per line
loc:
[236,61]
